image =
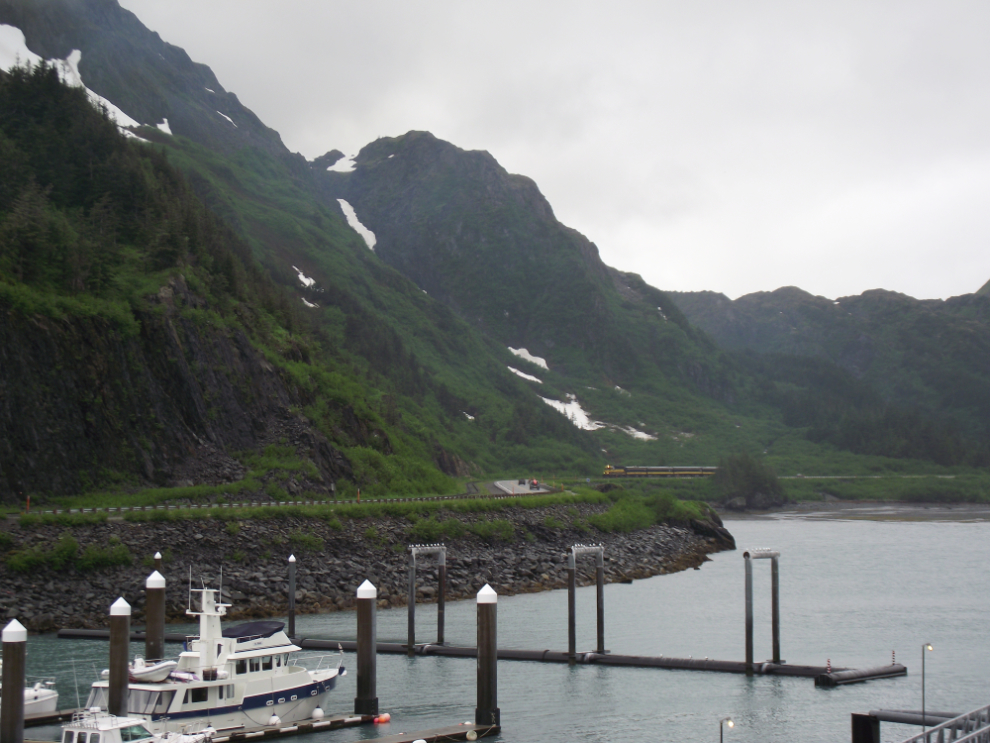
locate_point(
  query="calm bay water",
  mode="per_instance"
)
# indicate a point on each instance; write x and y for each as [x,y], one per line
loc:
[851,591]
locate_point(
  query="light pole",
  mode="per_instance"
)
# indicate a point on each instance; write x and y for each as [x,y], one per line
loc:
[927,646]
[726,720]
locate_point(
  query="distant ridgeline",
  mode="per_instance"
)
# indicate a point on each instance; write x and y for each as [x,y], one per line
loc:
[187,302]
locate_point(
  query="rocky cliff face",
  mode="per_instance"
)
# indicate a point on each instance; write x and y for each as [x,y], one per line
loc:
[82,401]
[333,559]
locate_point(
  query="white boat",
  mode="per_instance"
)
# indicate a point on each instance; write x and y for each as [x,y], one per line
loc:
[40,698]
[96,726]
[139,670]
[242,677]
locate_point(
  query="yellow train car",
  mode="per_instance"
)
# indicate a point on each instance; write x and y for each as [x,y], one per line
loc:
[625,471]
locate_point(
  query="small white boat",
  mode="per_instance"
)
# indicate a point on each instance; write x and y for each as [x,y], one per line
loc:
[40,698]
[141,672]
[95,725]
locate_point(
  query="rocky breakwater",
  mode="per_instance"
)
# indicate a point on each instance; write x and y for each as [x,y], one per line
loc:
[515,550]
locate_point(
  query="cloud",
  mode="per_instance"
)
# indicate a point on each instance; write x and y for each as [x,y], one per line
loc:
[729,146]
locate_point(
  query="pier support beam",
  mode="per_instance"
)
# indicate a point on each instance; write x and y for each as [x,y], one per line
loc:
[748,557]
[440,552]
[865,728]
[599,552]
[154,631]
[487,711]
[120,637]
[366,701]
[12,703]
[292,596]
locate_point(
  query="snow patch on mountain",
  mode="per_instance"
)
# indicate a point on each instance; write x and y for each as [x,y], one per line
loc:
[524,354]
[577,415]
[345,164]
[303,278]
[524,375]
[308,304]
[228,119]
[164,126]
[355,223]
[574,412]
[14,51]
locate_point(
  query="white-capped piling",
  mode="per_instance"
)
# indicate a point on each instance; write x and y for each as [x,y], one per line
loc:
[366,701]
[487,711]
[292,595]
[12,703]
[154,630]
[158,563]
[599,552]
[120,637]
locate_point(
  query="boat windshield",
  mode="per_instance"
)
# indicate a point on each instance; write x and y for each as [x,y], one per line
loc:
[134,733]
[142,702]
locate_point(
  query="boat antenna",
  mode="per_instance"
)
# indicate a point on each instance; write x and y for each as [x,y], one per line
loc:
[189,599]
[221,583]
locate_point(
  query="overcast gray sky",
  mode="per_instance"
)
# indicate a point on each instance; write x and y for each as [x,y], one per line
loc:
[733,146]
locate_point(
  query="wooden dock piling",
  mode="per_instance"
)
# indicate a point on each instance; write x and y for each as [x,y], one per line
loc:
[154,637]
[120,635]
[366,701]
[487,711]
[12,703]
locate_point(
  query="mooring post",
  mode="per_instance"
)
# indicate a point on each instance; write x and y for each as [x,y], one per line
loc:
[571,608]
[12,703]
[120,638]
[366,701]
[158,562]
[154,617]
[775,612]
[292,596]
[487,711]
[749,614]
[411,608]
[600,580]
[442,593]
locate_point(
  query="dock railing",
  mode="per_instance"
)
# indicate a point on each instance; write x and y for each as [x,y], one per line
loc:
[972,727]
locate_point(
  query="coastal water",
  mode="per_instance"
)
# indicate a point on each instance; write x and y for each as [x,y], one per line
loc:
[851,591]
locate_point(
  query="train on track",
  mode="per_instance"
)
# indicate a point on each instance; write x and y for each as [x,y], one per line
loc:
[622,471]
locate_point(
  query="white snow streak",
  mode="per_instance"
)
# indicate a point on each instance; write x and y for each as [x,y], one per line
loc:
[308,304]
[577,415]
[355,223]
[574,412]
[164,126]
[524,354]
[209,90]
[228,119]
[468,416]
[14,51]
[304,279]
[345,164]
[524,375]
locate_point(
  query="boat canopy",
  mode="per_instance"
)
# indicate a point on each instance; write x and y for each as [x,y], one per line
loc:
[265,628]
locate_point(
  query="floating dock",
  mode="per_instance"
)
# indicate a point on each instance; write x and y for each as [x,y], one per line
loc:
[823,676]
[454,732]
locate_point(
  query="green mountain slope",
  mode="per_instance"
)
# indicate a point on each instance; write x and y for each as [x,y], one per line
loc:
[392,364]
[931,355]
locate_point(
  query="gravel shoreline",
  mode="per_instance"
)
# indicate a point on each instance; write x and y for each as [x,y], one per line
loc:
[332,562]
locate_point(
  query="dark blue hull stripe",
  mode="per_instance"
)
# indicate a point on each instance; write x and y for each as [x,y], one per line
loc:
[256,701]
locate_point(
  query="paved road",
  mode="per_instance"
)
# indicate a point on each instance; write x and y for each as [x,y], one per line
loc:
[512,487]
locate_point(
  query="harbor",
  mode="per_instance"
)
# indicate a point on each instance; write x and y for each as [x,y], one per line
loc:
[694,613]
